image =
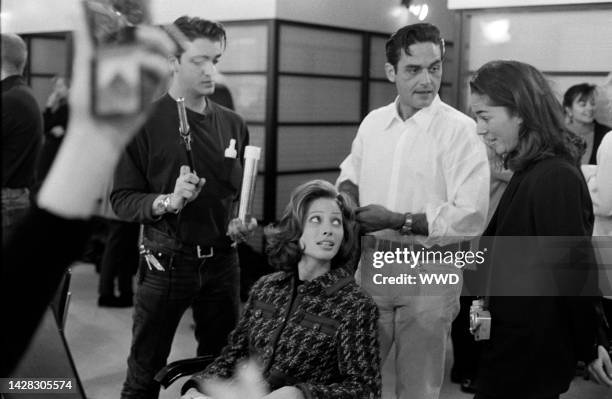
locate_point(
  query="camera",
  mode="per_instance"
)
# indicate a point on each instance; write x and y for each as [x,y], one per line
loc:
[480,321]
[119,84]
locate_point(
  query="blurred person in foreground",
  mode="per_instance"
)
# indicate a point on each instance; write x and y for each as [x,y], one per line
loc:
[55,117]
[22,134]
[309,325]
[535,342]
[54,232]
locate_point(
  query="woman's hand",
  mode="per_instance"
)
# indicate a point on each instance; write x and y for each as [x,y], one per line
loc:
[240,231]
[193,393]
[93,145]
[601,368]
[285,393]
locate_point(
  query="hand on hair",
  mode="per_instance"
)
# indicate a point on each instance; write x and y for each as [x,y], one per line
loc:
[375,217]
[239,231]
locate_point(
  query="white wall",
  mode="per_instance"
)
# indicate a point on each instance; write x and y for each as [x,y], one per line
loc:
[29,16]
[466,4]
[374,15]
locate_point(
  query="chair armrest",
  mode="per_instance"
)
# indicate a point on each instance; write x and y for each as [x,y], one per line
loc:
[181,368]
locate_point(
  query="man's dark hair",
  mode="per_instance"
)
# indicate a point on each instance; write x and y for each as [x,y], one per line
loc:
[409,35]
[197,28]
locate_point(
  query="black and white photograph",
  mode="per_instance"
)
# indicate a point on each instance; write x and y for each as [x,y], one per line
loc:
[323,199]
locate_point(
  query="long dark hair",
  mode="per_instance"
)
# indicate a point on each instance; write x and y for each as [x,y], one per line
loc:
[526,93]
[283,246]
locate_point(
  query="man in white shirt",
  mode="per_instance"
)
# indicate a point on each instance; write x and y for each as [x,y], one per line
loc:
[421,175]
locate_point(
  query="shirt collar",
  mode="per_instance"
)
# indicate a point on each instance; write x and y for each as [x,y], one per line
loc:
[422,117]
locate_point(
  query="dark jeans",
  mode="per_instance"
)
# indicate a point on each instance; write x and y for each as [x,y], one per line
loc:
[120,259]
[209,285]
[15,206]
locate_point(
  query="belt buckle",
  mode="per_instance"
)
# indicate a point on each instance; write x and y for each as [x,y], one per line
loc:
[201,255]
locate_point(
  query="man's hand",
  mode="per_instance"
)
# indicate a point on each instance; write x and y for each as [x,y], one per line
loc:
[376,217]
[193,393]
[351,189]
[187,188]
[239,231]
[601,368]
[285,393]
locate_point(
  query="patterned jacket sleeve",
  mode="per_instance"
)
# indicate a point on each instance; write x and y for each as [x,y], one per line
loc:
[236,349]
[358,359]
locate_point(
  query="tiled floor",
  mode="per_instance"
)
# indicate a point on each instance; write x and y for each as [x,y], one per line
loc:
[99,339]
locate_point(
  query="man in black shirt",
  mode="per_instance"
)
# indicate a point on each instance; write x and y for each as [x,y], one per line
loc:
[186,253]
[21,134]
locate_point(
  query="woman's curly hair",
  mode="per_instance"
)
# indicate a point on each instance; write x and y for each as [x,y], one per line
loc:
[283,239]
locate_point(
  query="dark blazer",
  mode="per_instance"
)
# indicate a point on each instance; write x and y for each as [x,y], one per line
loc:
[536,341]
[600,132]
[22,133]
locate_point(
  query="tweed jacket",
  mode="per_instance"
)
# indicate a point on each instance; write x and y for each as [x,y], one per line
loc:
[319,336]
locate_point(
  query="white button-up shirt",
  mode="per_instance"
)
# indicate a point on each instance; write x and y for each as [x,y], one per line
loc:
[432,163]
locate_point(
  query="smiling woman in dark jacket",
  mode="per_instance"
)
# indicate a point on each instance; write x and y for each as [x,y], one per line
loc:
[311,328]
[535,341]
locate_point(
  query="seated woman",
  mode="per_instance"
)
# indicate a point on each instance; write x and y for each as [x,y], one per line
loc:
[535,341]
[579,105]
[311,328]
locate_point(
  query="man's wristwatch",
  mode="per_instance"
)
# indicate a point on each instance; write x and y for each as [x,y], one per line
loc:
[163,206]
[406,228]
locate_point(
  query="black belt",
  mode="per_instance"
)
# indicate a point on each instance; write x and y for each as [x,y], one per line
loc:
[160,240]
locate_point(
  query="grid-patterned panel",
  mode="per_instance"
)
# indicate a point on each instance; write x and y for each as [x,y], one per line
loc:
[377,57]
[249,94]
[41,87]
[257,136]
[319,51]
[287,183]
[48,56]
[318,100]
[549,40]
[381,94]
[246,50]
[313,147]
[258,198]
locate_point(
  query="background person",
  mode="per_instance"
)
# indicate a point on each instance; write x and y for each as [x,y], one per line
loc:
[21,134]
[579,105]
[55,117]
